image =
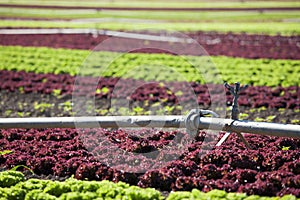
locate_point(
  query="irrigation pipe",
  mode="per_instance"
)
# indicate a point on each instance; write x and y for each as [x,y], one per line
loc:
[138,36]
[170,121]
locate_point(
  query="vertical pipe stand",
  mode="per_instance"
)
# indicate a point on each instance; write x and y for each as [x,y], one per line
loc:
[235,91]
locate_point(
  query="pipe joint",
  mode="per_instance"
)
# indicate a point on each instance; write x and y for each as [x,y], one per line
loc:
[193,118]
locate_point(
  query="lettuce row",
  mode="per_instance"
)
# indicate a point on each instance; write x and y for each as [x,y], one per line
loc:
[14,186]
[162,67]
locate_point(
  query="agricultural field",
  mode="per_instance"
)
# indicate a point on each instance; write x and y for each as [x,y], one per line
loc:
[72,58]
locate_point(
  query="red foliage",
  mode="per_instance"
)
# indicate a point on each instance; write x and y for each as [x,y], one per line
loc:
[86,153]
[253,96]
[236,45]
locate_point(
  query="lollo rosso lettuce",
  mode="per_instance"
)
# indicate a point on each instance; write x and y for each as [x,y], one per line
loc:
[270,169]
[253,96]
[229,44]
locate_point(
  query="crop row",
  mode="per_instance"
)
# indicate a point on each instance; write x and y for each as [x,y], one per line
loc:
[175,93]
[155,4]
[146,16]
[15,186]
[160,67]
[288,29]
[146,5]
[162,159]
[237,45]
[43,105]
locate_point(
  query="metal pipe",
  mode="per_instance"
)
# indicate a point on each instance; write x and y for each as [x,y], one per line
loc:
[137,36]
[261,128]
[170,121]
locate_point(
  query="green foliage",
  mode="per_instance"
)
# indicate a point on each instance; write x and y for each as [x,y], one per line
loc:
[12,193]
[56,92]
[243,116]
[284,148]
[157,3]
[8,112]
[270,118]
[41,60]
[290,28]
[23,114]
[23,166]
[14,186]
[4,152]
[39,195]
[169,109]
[295,121]
[41,107]
[67,106]
[193,16]
[79,196]
[21,89]
[151,66]
[10,178]
[221,195]
[104,90]
[138,110]
[281,110]
[259,119]
[263,108]
[57,188]
[33,184]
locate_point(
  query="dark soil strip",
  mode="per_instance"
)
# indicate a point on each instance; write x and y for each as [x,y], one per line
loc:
[70,41]
[17,104]
[149,8]
[253,96]
[235,45]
